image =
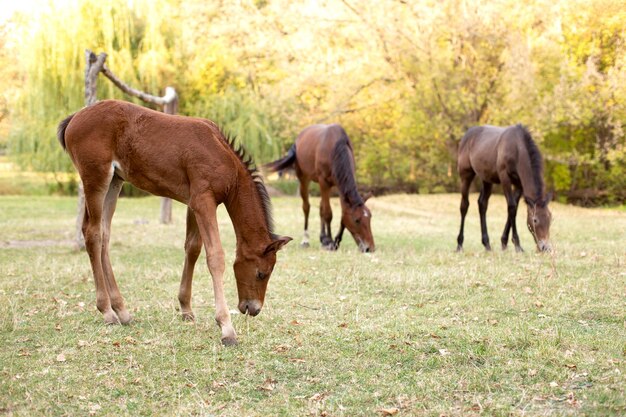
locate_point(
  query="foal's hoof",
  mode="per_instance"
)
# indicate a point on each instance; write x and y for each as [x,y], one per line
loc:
[189,316]
[229,341]
[110,318]
[304,245]
[124,317]
[519,249]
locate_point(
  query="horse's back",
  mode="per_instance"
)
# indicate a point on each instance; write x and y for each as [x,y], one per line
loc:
[478,152]
[314,149]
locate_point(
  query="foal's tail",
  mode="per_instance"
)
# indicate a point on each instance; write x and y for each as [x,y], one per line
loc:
[283,163]
[61,130]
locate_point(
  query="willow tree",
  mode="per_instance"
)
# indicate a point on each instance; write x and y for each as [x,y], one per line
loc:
[54,40]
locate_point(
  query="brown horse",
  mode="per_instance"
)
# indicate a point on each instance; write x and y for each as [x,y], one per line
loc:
[323,153]
[186,159]
[510,157]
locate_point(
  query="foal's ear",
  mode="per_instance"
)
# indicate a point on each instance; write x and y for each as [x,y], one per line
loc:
[277,244]
[367,196]
[549,197]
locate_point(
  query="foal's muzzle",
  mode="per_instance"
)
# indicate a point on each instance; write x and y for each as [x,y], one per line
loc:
[544,246]
[251,307]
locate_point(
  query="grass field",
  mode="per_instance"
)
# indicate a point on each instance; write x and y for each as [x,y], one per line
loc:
[413,329]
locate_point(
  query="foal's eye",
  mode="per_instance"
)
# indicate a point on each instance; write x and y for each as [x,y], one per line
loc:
[260,275]
[357,221]
[535,220]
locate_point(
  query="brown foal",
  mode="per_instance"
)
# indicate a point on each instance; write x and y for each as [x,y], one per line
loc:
[186,159]
[510,157]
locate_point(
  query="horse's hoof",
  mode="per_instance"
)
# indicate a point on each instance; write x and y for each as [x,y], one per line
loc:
[124,317]
[304,245]
[504,246]
[519,249]
[110,318]
[459,248]
[189,316]
[229,341]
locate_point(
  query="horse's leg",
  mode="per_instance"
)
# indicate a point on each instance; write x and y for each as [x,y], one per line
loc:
[507,227]
[466,181]
[326,216]
[204,208]
[92,230]
[193,247]
[483,202]
[306,206]
[511,201]
[339,236]
[110,202]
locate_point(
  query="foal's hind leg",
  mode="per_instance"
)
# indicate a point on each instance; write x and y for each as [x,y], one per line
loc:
[110,202]
[193,246]
[483,202]
[306,206]
[92,230]
[466,181]
[517,194]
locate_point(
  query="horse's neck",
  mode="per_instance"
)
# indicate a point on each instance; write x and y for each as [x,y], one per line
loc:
[345,177]
[532,182]
[245,209]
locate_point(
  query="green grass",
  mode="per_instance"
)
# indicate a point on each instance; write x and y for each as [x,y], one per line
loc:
[414,327]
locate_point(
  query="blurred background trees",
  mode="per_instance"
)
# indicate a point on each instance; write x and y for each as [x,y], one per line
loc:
[405,78]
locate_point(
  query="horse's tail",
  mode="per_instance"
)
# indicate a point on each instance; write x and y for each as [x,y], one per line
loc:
[283,163]
[61,130]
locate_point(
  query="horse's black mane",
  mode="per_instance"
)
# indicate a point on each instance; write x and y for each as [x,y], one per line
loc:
[536,161]
[343,171]
[250,166]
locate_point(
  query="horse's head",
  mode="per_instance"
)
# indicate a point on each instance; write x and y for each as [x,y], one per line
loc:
[538,220]
[356,218]
[252,272]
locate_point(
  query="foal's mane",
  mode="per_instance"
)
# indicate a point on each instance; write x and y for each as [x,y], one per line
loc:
[257,178]
[342,170]
[536,161]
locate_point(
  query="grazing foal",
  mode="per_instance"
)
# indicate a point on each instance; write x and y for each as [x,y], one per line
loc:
[323,153]
[186,159]
[510,157]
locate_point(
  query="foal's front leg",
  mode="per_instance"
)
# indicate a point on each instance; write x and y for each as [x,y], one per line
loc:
[326,217]
[205,209]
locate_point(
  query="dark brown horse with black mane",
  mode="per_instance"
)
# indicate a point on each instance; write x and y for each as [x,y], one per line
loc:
[510,157]
[186,159]
[323,153]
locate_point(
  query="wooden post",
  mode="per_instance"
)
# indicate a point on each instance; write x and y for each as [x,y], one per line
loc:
[170,107]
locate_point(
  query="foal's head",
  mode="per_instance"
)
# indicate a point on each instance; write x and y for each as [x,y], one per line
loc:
[357,219]
[538,220]
[252,272]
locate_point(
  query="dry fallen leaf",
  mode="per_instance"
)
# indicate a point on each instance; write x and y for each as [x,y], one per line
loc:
[389,411]
[554,384]
[316,397]
[60,357]
[268,385]
[532,372]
